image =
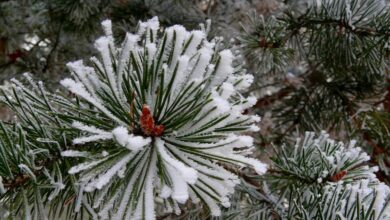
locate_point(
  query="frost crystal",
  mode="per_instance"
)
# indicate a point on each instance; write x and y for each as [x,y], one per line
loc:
[167,112]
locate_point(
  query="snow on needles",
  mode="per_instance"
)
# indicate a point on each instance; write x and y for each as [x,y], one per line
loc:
[165,107]
[343,180]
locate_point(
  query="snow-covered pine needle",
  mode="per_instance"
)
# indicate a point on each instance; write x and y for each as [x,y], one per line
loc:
[166,107]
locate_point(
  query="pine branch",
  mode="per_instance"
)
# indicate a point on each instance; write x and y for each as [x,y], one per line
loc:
[271,99]
[386,101]
[318,175]
[21,179]
[159,108]
[53,48]
[296,24]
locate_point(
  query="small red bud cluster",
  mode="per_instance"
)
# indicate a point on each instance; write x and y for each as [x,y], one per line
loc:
[148,125]
[338,176]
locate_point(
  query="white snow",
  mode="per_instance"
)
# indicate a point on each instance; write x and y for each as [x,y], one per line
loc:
[74,153]
[83,166]
[224,68]
[227,90]
[180,187]
[152,24]
[128,45]
[107,27]
[151,48]
[199,70]
[166,192]
[79,89]
[127,192]
[181,34]
[149,190]
[2,188]
[130,141]
[102,180]
[102,45]
[27,170]
[189,174]
[197,37]
[97,137]
[222,104]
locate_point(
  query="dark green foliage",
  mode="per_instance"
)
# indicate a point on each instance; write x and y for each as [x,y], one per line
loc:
[328,60]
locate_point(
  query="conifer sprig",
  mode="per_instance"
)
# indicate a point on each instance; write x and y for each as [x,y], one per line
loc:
[317,178]
[166,114]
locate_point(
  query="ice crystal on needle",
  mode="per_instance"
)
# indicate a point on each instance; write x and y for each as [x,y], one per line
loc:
[168,110]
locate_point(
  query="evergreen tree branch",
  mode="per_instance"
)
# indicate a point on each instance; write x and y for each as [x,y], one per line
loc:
[21,179]
[296,24]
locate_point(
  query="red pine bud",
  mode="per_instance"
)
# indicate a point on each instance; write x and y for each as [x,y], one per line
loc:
[147,121]
[158,130]
[145,110]
[148,125]
[15,55]
[338,176]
